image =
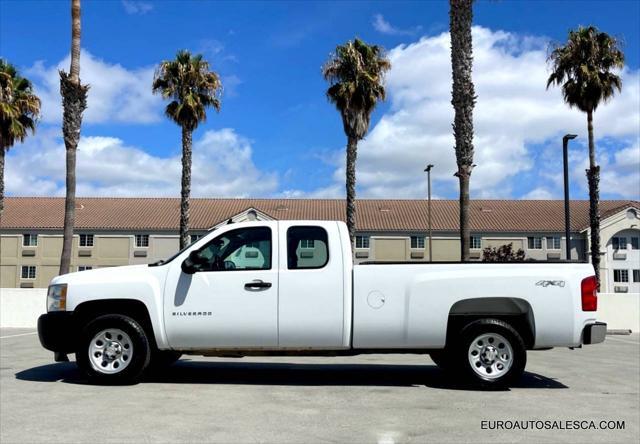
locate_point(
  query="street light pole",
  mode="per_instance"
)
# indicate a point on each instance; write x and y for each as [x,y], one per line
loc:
[428,170]
[565,158]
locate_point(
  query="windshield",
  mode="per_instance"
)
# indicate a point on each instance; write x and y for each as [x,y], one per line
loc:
[169,259]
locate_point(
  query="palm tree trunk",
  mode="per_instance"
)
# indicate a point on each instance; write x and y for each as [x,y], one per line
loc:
[2,154]
[74,102]
[69,212]
[75,41]
[186,186]
[593,178]
[465,235]
[463,101]
[352,153]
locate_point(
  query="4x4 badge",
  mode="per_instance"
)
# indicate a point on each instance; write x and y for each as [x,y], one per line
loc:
[547,283]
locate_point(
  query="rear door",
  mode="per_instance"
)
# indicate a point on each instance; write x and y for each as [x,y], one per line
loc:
[311,308]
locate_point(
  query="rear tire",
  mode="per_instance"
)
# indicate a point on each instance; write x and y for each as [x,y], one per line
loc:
[490,353]
[113,349]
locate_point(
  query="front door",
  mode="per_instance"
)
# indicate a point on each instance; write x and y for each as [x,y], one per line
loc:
[232,298]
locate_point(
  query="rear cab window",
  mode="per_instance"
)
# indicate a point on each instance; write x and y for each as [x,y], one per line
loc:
[307,247]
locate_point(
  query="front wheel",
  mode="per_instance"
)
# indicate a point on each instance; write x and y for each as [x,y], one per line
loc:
[490,353]
[113,349]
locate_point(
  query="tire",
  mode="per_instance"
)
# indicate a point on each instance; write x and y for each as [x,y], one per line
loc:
[161,359]
[490,354]
[113,349]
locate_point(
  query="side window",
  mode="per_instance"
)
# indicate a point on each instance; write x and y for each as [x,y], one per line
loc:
[307,247]
[241,249]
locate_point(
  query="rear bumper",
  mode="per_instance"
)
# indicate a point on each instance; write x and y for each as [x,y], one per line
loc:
[594,333]
[57,331]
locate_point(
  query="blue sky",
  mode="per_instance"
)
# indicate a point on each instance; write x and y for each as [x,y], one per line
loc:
[277,135]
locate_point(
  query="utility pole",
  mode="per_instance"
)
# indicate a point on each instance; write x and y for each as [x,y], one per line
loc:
[428,170]
[565,157]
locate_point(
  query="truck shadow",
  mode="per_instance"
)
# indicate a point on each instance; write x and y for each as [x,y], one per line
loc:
[293,374]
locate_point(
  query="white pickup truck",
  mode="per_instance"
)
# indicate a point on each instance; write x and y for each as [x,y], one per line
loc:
[290,288]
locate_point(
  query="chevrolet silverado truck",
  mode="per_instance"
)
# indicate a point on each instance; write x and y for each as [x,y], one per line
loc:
[291,288]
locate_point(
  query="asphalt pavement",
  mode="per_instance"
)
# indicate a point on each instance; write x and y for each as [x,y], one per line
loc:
[584,395]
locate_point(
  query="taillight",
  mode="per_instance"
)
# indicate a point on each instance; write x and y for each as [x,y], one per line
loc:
[589,289]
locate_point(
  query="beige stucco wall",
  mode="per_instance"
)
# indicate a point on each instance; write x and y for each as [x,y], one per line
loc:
[622,223]
[117,248]
[109,249]
[8,276]
[390,248]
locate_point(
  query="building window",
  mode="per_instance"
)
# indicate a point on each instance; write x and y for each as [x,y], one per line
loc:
[28,272]
[142,240]
[417,242]
[553,243]
[196,237]
[29,240]
[306,243]
[84,267]
[636,275]
[635,243]
[619,243]
[535,243]
[86,240]
[475,242]
[620,275]
[362,241]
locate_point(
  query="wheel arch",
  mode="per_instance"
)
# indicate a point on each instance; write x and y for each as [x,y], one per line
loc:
[517,312]
[134,308]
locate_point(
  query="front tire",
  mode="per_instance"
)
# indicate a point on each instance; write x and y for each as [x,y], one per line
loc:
[490,353]
[113,349]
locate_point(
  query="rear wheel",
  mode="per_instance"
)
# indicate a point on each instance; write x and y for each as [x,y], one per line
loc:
[113,349]
[490,353]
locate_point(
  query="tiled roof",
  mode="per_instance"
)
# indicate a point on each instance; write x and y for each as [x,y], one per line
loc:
[372,215]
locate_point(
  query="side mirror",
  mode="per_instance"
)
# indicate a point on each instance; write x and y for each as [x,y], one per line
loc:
[189,264]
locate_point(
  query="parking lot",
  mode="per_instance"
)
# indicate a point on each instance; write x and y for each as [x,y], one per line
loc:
[375,398]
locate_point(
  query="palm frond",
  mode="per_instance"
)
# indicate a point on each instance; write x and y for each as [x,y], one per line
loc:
[19,106]
[192,87]
[355,73]
[585,67]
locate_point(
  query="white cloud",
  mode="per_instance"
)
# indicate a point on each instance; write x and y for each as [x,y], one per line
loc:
[514,112]
[106,166]
[619,171]
[381,25]
[539,193]
[117,94]
[137,7]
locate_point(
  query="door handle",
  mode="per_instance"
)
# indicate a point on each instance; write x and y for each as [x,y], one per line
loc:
[257,284]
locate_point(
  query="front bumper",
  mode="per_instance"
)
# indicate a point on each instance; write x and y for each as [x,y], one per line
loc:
[594,333]
[57,331]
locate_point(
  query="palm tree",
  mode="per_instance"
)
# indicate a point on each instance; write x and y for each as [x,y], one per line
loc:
[19,111]
[356,77]
[463,101]
[583,67]
[192,88]
[74,102]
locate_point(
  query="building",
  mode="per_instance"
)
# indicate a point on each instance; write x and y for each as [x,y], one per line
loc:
[120,231]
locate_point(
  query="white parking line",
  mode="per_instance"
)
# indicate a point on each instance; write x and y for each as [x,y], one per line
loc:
[21,334]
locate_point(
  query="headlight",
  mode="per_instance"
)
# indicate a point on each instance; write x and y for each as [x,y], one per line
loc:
[57,297]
